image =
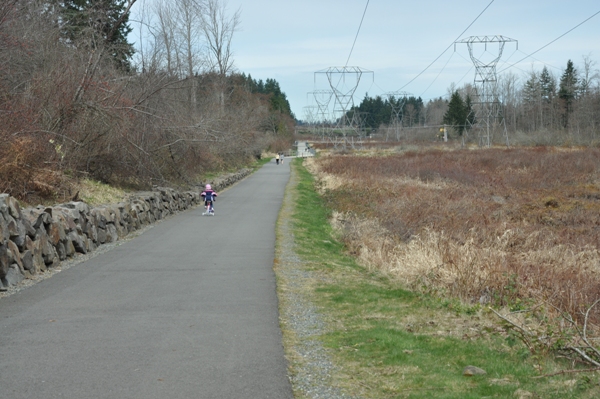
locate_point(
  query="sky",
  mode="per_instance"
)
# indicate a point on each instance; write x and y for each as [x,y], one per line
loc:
[297,41]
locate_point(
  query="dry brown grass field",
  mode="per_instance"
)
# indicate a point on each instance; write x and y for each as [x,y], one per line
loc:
[517,228]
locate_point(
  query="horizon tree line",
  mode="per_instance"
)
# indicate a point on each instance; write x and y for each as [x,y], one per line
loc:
[541,104]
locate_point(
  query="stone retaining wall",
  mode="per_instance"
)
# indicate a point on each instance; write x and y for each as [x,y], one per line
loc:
[35,239]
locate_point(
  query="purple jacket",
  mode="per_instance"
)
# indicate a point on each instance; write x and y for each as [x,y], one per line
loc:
[209,195]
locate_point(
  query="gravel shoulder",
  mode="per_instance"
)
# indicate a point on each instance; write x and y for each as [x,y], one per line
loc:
[311,369]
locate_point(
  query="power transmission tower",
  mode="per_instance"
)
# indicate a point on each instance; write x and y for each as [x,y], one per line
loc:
[323,99]
[397,100]
[343,82]
[487,109]
[309,117]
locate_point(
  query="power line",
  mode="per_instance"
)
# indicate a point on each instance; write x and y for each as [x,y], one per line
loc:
[451,44]
[510,56]
[465,75]
[438,75]
[540,61]
[543,47]
[356,37]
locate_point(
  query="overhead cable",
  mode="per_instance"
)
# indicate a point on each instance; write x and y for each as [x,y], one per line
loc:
[356,37]
[438,75]
[451,44]
[543,47]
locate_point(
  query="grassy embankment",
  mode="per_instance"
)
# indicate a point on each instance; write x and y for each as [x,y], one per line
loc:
[96,193]
[391,342]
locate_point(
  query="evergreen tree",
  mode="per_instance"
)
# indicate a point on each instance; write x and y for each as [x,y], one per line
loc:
[532,100]
[458,113]
[568,90]
[547,85]
[278,99]
[532,91]
[412,110]
[96,23]
[375,111]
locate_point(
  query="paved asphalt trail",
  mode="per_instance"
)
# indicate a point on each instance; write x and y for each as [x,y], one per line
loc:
[186,310]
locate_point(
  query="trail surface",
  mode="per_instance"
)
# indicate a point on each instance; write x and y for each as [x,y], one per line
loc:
[186,310]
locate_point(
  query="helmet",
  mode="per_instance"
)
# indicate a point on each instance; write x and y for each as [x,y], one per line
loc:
[208,187]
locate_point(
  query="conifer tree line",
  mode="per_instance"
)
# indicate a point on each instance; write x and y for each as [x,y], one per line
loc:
[539,107]
[81,97]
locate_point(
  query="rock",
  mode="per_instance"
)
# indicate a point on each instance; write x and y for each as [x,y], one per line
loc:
[91,232]
[43,237]
[39,216]
[52,261]
[77,241]
[111,233]
[69,248]
[56,233]
[79,206]
[16,231]
[91,245]
[4,261]
[27,260]
[14,275]
[4,204]
[61,250]
[14,256]
[14,209]
[38,261]
[470,371]
[29,230]
[101,235]
[101,216]
[4,234]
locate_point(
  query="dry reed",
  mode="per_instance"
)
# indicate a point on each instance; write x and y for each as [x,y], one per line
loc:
[503,226]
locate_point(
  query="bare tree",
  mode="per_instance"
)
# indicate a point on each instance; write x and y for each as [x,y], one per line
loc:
[166,34]
[588,75]
[587,117]
[218,29]
[189,15]
[508,96]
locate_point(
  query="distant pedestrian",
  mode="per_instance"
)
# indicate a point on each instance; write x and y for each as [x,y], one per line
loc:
[277,159]
[281,158]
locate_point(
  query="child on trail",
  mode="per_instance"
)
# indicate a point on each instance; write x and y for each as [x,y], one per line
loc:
[209,196]
[277,159]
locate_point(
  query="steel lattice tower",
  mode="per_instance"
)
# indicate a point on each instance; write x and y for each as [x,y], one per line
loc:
[487,108]
[397,100]
[343,82]
[323,99]
[309,117]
